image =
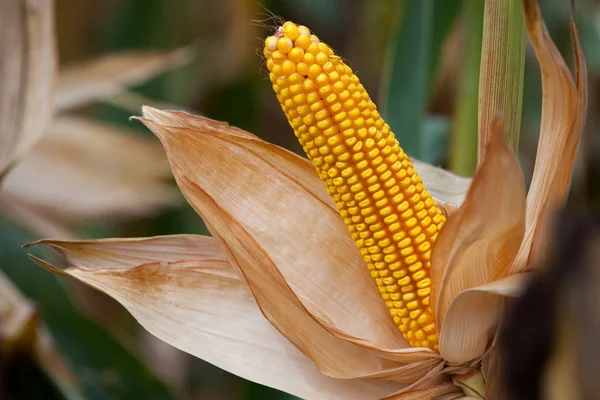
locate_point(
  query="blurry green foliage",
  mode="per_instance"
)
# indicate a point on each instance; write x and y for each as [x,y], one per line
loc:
[413,55]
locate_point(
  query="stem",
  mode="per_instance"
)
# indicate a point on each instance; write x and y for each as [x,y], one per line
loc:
[463,151]
[502,68]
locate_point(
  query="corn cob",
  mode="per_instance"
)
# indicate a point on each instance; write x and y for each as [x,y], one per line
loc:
[389,214]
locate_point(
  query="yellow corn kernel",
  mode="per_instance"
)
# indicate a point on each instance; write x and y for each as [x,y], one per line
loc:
[391,216]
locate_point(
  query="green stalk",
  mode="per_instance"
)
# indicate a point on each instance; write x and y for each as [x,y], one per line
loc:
[463,147]
[502,68]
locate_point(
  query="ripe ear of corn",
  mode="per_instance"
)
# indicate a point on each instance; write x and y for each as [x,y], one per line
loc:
[389,213]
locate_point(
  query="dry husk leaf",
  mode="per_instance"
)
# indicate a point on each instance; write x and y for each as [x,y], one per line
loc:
[477,245]
[27,75]
[83,83]
[564,105]
[83,170]
[184,290]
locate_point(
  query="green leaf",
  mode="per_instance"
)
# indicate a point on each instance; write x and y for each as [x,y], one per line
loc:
[105,368]
[413,55]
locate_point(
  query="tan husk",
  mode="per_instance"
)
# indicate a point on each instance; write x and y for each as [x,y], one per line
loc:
[564,105]
[34,220]
[82,170]
[473,317]
[473,248]
[184,290]
[86,82]
[27,74]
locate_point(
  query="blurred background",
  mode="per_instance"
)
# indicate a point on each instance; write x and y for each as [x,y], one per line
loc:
[222,76]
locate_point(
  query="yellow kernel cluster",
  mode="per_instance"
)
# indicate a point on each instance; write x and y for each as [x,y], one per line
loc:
[390,215]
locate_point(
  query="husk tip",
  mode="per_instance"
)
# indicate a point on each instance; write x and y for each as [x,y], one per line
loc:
[47,266]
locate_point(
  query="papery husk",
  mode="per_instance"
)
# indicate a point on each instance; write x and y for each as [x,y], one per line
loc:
[184,290]
[34,220]
[473,317]
[84,170]
[279,303]
[89,81]
[475,249]
[564,105]
[481,239]
[27,73]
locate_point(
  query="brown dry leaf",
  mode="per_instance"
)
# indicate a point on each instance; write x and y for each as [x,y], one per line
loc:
[473,317]
[563,113]
[27,74]
[33,219]
[482,238]
[184,290]
[87,82]
[83,169]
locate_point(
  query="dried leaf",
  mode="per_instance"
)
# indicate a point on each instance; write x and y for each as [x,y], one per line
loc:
[183,290]
[480,240]
[27,74]
[83,169]
[564,105]
[473,317]
[84,83]
[32,219]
